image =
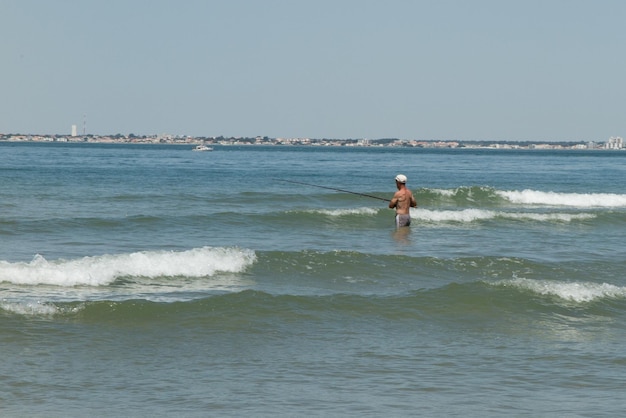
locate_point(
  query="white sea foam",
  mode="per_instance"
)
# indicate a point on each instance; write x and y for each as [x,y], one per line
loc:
[467,215]
[473,215]
[576,292]
[29,308]
[344,212]
[548,217]
[103,270]
[444,192]
[582,200]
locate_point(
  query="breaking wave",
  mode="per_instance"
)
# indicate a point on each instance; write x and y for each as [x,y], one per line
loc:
[105,269]
[487,196]
[579,200]
[474,215]
[574,291]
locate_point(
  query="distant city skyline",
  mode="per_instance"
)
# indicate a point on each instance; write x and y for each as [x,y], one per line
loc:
[532,70]
[613,143]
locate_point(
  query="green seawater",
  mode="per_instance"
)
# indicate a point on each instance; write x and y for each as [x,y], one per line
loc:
[155,281]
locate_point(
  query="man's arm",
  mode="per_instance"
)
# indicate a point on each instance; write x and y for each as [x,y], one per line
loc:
[394,201]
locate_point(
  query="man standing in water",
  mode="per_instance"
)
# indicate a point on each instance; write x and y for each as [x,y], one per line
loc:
[402,200]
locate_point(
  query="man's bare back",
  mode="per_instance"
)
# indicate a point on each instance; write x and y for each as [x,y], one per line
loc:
[402,202]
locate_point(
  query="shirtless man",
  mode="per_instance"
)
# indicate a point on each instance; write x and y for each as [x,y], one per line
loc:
[402,200]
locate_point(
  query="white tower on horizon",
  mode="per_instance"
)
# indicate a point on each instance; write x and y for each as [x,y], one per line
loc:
[74,130]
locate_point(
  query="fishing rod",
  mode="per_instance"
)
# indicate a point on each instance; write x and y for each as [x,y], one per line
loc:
[335,189]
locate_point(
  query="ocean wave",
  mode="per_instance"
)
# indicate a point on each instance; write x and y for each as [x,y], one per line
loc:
[575,291]
[33,308]
[462,196]
[455,216]
[478,300]
[344,212]
[210,279]
[488,196]
[105,269]
[580,200]
[474,215]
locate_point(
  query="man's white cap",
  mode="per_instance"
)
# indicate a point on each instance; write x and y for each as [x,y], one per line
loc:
[401,178]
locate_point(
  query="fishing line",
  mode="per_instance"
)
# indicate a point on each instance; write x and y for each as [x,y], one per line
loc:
[335,189]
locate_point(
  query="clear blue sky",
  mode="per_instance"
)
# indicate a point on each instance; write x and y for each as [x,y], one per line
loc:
[550,70]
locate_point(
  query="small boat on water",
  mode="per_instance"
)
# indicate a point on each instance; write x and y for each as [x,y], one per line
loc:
[202,147]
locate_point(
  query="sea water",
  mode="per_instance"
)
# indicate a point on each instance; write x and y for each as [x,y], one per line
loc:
[150,280]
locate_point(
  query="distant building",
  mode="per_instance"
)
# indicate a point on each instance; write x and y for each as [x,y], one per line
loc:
[614,142]
[74,131]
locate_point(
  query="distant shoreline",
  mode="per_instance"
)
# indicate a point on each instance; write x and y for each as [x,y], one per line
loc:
[614,143]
